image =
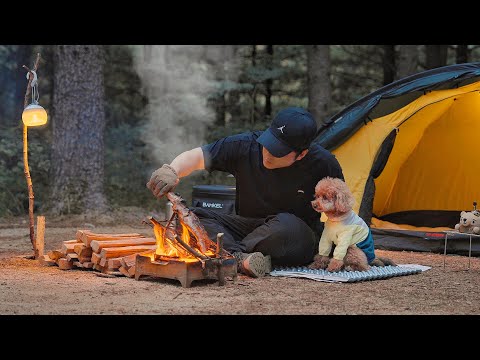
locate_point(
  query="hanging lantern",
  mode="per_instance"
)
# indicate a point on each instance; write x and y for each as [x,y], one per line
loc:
[34,114]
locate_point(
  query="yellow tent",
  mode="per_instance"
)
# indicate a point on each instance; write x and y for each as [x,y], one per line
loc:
[410,153]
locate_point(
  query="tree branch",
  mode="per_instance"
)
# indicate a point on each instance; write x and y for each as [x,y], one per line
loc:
[25,161]
[30,78]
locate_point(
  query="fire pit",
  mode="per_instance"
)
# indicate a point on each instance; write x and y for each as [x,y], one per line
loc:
[186,271]
[184,250]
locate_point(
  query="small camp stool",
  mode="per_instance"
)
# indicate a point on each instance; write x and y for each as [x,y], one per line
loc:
[457,233]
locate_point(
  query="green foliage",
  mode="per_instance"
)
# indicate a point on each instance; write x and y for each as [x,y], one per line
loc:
[356,71]
[227,86]
[239,99]
[13,185]
[259,74]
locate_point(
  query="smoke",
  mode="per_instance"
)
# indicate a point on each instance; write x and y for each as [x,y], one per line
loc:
[177,80]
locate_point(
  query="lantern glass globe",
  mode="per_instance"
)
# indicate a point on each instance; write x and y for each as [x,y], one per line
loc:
[34,115]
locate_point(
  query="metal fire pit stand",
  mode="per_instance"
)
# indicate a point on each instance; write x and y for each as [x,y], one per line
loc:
[205,267]
[186,271]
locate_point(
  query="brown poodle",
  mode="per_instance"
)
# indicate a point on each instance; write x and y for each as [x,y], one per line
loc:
[354,248]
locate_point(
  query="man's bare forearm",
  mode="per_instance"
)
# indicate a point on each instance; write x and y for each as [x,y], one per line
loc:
[188,161]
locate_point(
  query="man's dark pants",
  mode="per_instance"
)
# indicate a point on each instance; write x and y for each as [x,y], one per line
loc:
[286,238]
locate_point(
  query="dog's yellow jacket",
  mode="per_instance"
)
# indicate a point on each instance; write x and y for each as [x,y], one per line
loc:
[343,231]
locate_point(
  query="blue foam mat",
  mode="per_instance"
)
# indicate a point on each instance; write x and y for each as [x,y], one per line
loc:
[374,273]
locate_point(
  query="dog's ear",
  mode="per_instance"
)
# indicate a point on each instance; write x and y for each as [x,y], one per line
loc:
[344,201]
[341,202]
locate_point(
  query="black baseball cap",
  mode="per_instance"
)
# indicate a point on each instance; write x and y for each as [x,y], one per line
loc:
[292,129]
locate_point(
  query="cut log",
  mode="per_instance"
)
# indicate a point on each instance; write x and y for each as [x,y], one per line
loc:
[87,265]
[102,262]
[113,264]
[55,254]
[128,261]
[64,264]
[131,271]
[68,248]
[98,245]
[97,267]
[78,264]
[95,258]
[124,271]
[46,261]
[125,250]
[83,259]
[72,257]
[74,241]
[82,250]
[77,248]
[40,239]
[87,236]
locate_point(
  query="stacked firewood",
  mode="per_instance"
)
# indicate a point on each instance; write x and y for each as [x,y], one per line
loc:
[108,253]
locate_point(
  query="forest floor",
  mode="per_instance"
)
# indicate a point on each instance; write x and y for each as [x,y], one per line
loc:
[28,288]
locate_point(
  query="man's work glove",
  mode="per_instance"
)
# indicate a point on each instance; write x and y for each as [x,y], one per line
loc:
[163,180]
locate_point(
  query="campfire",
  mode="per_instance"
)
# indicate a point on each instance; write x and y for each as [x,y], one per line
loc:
[184,250]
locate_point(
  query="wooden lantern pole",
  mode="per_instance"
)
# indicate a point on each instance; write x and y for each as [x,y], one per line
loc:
[25,159]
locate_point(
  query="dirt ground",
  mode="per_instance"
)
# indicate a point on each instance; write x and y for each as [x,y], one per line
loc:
[28,288]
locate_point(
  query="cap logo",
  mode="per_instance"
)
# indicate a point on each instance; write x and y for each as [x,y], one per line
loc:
[281,129]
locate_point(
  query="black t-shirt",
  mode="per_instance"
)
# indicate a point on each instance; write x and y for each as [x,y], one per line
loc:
[261,192]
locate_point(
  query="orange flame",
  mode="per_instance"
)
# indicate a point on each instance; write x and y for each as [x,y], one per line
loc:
[167,246]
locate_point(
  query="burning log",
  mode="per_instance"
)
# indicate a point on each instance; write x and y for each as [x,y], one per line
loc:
[190,220]
[192,250]
[165,240]
[188,239]
[185,251]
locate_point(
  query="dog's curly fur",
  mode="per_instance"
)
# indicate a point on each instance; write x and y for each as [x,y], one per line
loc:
[333,197]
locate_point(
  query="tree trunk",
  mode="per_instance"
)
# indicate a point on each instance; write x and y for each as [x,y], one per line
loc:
[462,54]
[388,64]
[220,58]
[436,56]
[269,83]
[254,91]
[318,79]
[407,63]
[78,125]
[233,105]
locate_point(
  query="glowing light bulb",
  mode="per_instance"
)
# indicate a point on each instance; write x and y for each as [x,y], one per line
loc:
[34,115]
